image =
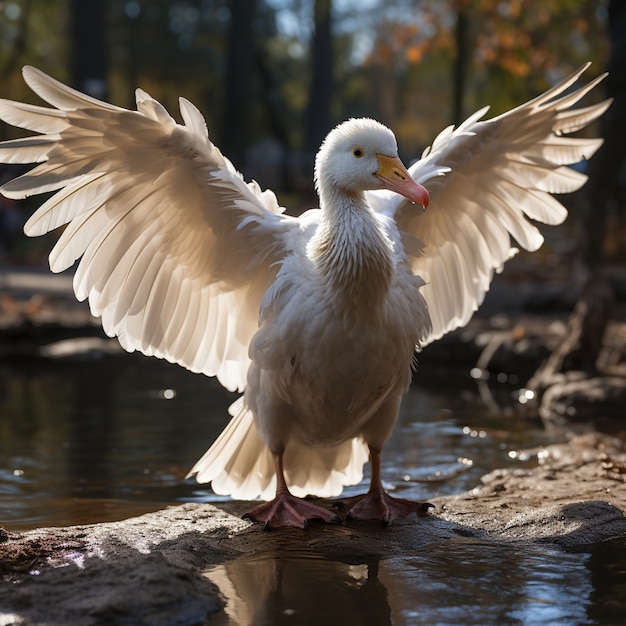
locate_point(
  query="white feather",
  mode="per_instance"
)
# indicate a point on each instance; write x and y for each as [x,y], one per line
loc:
[317,318]
[503,168]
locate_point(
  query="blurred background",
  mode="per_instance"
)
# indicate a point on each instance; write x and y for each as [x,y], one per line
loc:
[87,432]
[273,76]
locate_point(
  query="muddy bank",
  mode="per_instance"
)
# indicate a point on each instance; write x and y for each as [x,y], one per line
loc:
[149,569]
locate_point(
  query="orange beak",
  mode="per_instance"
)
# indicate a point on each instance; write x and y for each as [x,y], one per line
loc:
[395,177]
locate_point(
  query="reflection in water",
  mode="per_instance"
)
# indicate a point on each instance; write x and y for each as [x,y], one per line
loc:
[462,582]
[104,431]
[607,566]
[82,442]
[91,441]
[268,590]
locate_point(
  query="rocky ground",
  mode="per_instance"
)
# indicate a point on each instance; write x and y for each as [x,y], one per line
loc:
[148,569]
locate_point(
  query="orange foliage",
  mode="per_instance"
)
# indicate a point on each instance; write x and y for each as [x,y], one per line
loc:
[414,54]
[518,36]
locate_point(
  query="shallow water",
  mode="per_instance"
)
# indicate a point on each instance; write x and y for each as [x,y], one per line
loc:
[106,437]
[462,582]
[96,439]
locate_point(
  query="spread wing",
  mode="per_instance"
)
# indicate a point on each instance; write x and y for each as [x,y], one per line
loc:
[486,178]
[176,248]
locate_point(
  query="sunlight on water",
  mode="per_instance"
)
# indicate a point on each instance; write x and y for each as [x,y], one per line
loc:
[460,582]
[492,584]
[112,437]
[94,440]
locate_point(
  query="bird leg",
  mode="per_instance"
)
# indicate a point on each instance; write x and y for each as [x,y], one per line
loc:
[377,503]
[286,509]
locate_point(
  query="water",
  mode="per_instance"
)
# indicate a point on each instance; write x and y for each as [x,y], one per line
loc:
[101,438]
[109,436]
[461,582]
[84,441]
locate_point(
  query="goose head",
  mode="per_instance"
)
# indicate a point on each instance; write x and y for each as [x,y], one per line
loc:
[360,155]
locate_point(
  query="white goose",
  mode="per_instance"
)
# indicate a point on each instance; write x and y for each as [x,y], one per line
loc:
[316,317]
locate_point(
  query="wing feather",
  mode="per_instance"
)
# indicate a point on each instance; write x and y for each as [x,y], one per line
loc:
[562,151]
[59,95]
[575,119]
[486,178]
[31,117]
[193,119]
[73,200]
[173,244]
[27,149]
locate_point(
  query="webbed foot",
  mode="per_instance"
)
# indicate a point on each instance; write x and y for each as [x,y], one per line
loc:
[379,505]
[288,510]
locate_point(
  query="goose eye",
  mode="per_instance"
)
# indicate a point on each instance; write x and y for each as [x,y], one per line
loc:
[357,152]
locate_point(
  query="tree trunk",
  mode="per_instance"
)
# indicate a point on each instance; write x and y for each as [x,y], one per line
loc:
[605,165]
[583,340]
[459,65]
[235,135]
[88,51]
[322,82]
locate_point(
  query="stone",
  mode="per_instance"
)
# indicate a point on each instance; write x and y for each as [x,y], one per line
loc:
[151,569]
